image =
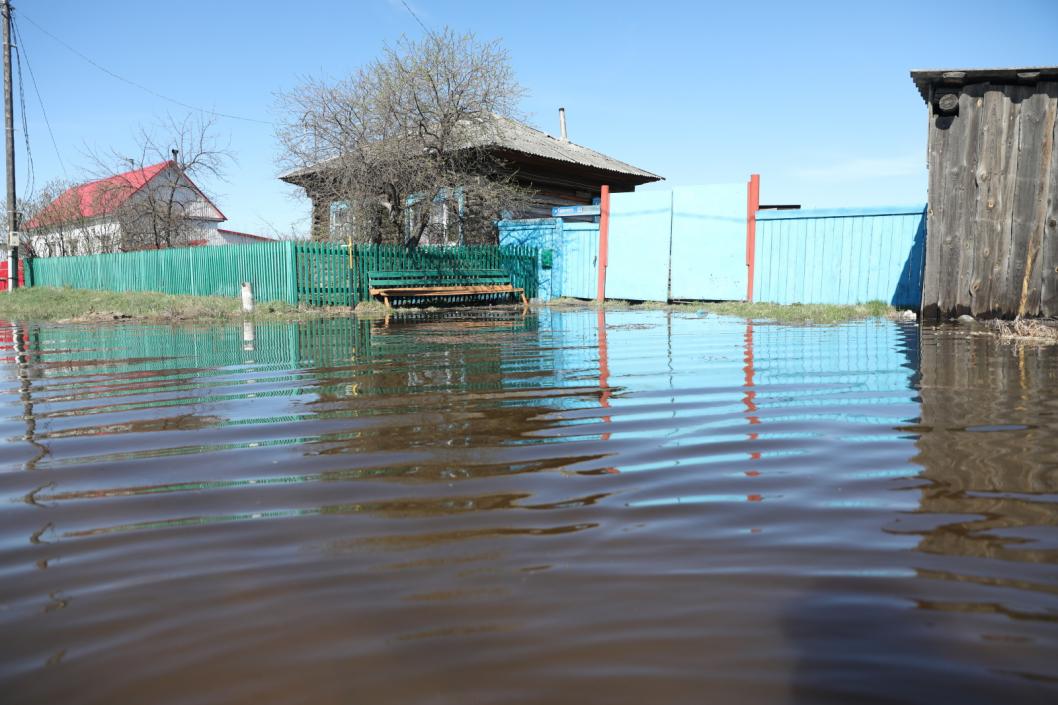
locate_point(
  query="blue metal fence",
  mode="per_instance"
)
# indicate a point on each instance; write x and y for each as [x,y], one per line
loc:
[832,256]
[840,256]
[569,254]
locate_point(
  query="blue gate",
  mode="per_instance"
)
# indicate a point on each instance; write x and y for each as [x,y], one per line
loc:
[640,235]
[580,260]
[709,242]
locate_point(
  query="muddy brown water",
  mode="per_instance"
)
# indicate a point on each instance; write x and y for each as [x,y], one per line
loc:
[564,507]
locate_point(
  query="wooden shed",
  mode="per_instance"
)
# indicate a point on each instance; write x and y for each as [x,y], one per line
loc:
[992,223]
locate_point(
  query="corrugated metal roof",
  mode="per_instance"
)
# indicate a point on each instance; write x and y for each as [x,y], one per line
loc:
[515,136]
[519,137]
[955,78]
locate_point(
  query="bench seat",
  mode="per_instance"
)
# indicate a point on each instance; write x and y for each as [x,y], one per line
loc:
[431,283]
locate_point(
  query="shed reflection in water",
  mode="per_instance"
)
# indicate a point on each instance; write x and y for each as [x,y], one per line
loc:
[615,507]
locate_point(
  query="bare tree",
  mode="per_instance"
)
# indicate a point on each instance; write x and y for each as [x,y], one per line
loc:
[170,210]
[54,224]
[404,146]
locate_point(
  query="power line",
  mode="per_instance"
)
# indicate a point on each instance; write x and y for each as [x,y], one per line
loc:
[21,48]
[142,87]
[412,13]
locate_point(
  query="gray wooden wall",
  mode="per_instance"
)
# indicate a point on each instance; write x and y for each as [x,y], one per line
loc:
[992,243]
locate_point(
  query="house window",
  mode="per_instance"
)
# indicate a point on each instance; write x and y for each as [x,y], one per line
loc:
[445,226]
[340,225]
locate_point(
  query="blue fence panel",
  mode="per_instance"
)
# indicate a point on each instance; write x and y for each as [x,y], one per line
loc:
[640,235]
[709,242]
[544,234]
[840,256]
[580,260]
[568,254]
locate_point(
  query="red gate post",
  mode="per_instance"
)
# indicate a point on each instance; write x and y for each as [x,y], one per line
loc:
[604,241]
[752,204]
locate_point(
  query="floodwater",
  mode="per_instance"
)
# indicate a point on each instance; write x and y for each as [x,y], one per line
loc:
[563,507]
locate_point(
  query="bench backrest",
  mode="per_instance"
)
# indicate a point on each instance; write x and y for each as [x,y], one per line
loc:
[450,277]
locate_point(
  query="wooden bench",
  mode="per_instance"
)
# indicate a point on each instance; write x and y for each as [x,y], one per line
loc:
[432,283]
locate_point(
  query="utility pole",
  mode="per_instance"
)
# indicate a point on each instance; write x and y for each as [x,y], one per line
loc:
[9,135]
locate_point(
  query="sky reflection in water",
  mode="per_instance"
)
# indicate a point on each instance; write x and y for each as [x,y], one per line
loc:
[634,506]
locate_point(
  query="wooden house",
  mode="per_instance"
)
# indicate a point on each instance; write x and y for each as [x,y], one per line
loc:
[992,223]
[560,172]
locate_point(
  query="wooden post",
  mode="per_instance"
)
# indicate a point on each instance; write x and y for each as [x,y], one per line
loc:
[604,241]
[752,204]
[9,138]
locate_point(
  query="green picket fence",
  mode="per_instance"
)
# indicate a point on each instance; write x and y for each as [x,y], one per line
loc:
[309,273]
[520,262]
[323,274]
[198,271]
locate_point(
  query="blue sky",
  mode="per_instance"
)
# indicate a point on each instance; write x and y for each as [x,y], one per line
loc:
[813,96]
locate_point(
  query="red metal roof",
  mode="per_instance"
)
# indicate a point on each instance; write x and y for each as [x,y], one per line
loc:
[103,196]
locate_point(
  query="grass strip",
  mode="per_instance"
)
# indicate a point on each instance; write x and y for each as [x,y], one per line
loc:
[781,313]
[85,305]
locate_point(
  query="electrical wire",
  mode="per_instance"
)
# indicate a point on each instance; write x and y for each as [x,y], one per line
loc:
[412,13]
[142,87]
[21,49]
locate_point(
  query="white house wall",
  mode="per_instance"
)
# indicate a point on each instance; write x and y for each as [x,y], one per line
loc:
[83,240]
[233,239]
[90,239]
[193,205]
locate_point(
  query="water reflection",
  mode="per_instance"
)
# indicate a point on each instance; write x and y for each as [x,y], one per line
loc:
[989,449]
[622,506]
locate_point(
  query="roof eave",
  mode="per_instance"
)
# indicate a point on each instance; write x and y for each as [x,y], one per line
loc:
[957,78]
[302,175]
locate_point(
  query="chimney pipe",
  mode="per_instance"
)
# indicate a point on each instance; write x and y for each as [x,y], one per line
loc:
[562,124]
[176,156]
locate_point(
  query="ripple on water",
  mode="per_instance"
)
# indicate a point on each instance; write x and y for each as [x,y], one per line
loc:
[621,506]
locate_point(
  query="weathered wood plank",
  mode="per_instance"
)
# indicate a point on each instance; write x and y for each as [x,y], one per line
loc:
[985,108]
[1030,201]
[936,213]
[1049,254]
[992,207]
[960,192]
[1003,296]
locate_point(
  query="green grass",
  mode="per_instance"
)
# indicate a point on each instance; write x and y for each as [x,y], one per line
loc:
[53,304]
[782,313]
[802,313]
[372,309]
